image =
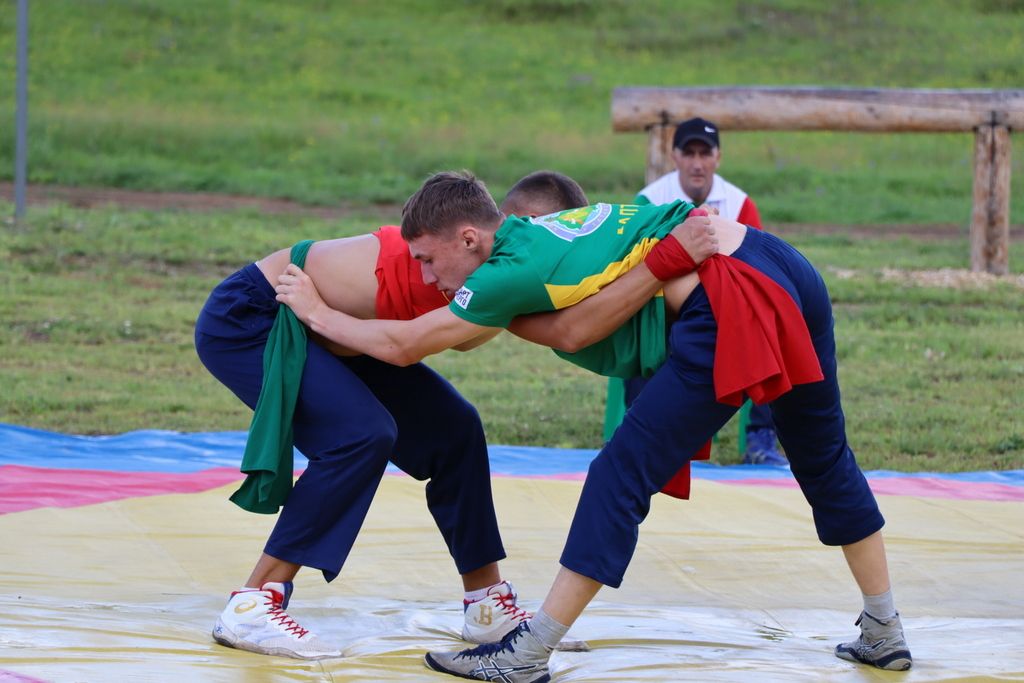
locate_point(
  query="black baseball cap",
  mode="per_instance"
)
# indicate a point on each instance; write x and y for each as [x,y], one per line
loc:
[695,129]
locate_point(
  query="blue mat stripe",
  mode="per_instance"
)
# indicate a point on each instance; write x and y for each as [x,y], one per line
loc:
[167,451]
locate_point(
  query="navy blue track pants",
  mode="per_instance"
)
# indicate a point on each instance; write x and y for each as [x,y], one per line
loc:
[353,416]
[677,412]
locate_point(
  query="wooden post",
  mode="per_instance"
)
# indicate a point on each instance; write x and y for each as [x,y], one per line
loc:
[990,218]
[659,147]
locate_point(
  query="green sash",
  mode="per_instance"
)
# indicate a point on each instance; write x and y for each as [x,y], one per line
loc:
[268,461]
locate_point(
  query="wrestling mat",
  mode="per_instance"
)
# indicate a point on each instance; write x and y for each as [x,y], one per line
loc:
[119,552]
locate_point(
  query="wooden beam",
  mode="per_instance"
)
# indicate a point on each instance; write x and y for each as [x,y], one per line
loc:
[659,147]
[992,114]
[990,218]
[763,108]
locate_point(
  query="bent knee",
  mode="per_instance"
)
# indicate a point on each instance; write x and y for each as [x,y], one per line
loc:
[380,434]
[372,439]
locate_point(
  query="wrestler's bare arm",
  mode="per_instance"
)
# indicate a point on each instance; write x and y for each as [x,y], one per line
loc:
[399,342]
[592,319]
[489,334]
[339,350]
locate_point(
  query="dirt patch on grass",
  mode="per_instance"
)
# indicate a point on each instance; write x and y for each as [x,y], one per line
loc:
[944,278]
[925,232]
[951,278]
[939,231]
[92,197]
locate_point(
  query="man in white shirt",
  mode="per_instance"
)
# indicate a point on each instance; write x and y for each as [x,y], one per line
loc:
[697,153]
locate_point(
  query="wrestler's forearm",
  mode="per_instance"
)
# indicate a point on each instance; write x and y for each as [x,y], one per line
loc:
[592,319]
[381,339]
[399,342]
[487,336]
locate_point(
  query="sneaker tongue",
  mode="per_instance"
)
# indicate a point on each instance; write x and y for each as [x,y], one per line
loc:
[502,589]
[280,590]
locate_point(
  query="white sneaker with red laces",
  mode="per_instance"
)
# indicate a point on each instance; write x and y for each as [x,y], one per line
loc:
[255,620]
[488,620]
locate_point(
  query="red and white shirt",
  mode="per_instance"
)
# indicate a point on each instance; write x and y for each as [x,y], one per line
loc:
[731,201]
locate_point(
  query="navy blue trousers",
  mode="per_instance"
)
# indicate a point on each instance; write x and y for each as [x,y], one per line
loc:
[677,412]
[760,417]
[353,415]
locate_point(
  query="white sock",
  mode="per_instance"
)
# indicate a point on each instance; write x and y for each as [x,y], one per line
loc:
[881,607]
[480,593]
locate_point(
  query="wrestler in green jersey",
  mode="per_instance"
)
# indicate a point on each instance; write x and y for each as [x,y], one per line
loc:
[550,262]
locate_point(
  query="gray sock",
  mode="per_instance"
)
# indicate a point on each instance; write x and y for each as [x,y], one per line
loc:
[548,631]
[881,607]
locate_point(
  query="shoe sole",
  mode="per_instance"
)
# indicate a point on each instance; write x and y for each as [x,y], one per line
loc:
[238,644]
[435,666]
[897,661]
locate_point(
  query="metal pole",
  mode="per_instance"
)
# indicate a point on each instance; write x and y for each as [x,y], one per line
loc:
[21,115]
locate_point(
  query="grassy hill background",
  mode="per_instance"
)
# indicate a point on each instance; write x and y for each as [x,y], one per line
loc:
[325,101]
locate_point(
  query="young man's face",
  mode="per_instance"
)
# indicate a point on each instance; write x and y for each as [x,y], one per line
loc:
[697,162]
[448,260]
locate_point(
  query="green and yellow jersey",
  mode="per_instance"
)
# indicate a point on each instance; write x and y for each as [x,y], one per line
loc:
[550,262]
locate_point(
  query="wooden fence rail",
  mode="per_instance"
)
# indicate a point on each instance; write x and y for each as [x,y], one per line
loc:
[991,114]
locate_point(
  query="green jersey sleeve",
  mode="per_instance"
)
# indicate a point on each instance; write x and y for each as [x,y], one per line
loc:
[505,286]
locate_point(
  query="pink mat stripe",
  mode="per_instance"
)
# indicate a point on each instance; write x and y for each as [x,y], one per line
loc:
[26,488]
[922,487]
[12,677]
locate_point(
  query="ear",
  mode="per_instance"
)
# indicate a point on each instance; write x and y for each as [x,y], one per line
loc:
[469,236]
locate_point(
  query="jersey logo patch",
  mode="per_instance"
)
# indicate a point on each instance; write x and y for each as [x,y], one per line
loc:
[462,297]
[568,225]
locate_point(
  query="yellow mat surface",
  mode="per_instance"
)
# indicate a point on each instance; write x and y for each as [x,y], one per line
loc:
[730,586]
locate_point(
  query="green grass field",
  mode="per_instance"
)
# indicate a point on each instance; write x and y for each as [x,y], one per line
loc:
[99,307]
[357,102]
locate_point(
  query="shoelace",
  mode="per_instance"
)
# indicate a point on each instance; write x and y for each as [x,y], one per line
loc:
[505,644]
[280,616]
[509,607]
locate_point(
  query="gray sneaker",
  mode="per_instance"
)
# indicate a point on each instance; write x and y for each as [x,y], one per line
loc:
[881,644]
[518,658]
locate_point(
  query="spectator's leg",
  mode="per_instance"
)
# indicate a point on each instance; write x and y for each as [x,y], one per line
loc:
[762,448]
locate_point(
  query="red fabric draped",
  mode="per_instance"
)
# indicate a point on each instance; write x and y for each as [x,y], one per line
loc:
[679,485]
[763,347]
